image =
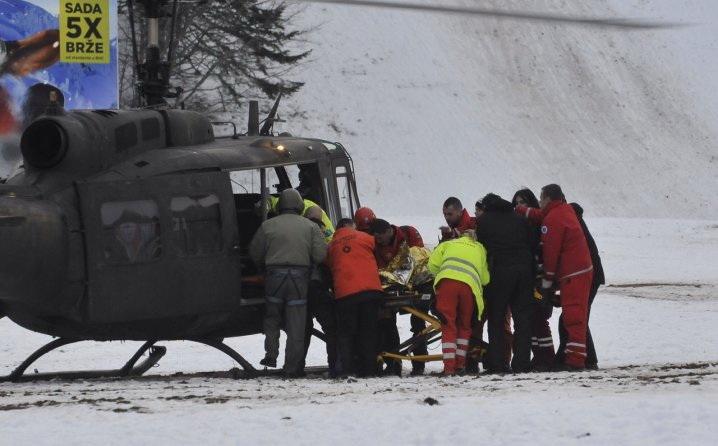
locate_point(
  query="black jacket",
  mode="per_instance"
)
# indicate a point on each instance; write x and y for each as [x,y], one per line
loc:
[598,276]
[509,238]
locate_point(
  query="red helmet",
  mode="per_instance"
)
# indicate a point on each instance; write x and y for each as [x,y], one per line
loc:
[363,217]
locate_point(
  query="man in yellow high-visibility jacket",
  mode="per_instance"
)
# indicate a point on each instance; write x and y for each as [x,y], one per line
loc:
[461,271]
[313,212]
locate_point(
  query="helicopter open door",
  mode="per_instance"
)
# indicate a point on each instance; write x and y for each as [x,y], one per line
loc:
[160,247]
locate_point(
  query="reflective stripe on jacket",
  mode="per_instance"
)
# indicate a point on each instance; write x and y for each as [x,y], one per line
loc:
[462,259]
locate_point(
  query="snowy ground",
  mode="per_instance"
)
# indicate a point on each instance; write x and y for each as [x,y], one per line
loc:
[625,121]
[655,334]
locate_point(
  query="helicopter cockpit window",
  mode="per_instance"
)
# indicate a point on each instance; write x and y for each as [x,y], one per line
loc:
[196,224]
[308,181]
[246,182]
[130,231]
[293,173]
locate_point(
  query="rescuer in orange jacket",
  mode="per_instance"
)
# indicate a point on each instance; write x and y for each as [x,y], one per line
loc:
[358,293]
[568,267]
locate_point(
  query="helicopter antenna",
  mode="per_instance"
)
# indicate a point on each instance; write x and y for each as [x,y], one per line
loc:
[271,118]
[253,120]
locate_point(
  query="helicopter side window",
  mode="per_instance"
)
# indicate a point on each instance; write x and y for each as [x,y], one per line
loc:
[130,231]
[247,190]
[196,224]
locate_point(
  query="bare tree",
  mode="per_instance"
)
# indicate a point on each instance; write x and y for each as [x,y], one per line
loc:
[226,50]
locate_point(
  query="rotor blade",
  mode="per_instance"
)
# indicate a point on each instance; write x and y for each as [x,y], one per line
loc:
[506,14]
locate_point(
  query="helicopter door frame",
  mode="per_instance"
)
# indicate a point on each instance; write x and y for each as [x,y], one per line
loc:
[192,266]
[352,199]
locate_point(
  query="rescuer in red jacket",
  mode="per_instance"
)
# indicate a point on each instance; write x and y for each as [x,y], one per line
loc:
[457,218]
[568,267]
[358,292]
[389,240]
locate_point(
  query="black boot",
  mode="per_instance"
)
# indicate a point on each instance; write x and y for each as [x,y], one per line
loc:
[392,368]
[563,367]
[417,368]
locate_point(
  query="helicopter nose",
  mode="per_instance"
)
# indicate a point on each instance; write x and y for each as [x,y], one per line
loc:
[33,248]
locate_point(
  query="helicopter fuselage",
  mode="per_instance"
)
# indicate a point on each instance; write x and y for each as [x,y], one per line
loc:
[134,225]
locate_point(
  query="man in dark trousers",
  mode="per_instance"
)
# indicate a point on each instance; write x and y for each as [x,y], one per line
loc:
[358,293]
[320,305]
[389,240]
[287,247]
[541,339]
[568,267]
[511,244]
[598,279]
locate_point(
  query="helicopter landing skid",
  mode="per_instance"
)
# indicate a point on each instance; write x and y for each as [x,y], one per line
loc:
[130,369]
[248,369]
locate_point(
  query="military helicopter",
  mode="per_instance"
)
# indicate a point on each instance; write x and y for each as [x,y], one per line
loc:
[134,224]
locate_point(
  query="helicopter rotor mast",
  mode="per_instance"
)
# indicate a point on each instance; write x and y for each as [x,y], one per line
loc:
[153,75]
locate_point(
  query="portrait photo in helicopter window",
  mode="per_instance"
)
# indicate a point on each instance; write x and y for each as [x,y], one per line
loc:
[131,231]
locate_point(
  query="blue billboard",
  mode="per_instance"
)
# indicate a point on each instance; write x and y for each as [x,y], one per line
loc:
[68,47]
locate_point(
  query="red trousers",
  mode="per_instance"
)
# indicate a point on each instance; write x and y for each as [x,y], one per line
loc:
[455,302]
[574,305]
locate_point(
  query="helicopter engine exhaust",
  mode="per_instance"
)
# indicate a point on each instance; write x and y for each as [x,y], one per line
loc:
[44,143]
[85,141]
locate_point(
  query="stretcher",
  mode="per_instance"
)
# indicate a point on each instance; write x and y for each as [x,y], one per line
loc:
[420,304]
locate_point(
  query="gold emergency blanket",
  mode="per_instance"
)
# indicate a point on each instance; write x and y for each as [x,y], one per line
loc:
[409,268]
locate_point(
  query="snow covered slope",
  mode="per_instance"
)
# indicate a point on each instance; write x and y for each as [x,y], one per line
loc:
[435,105]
